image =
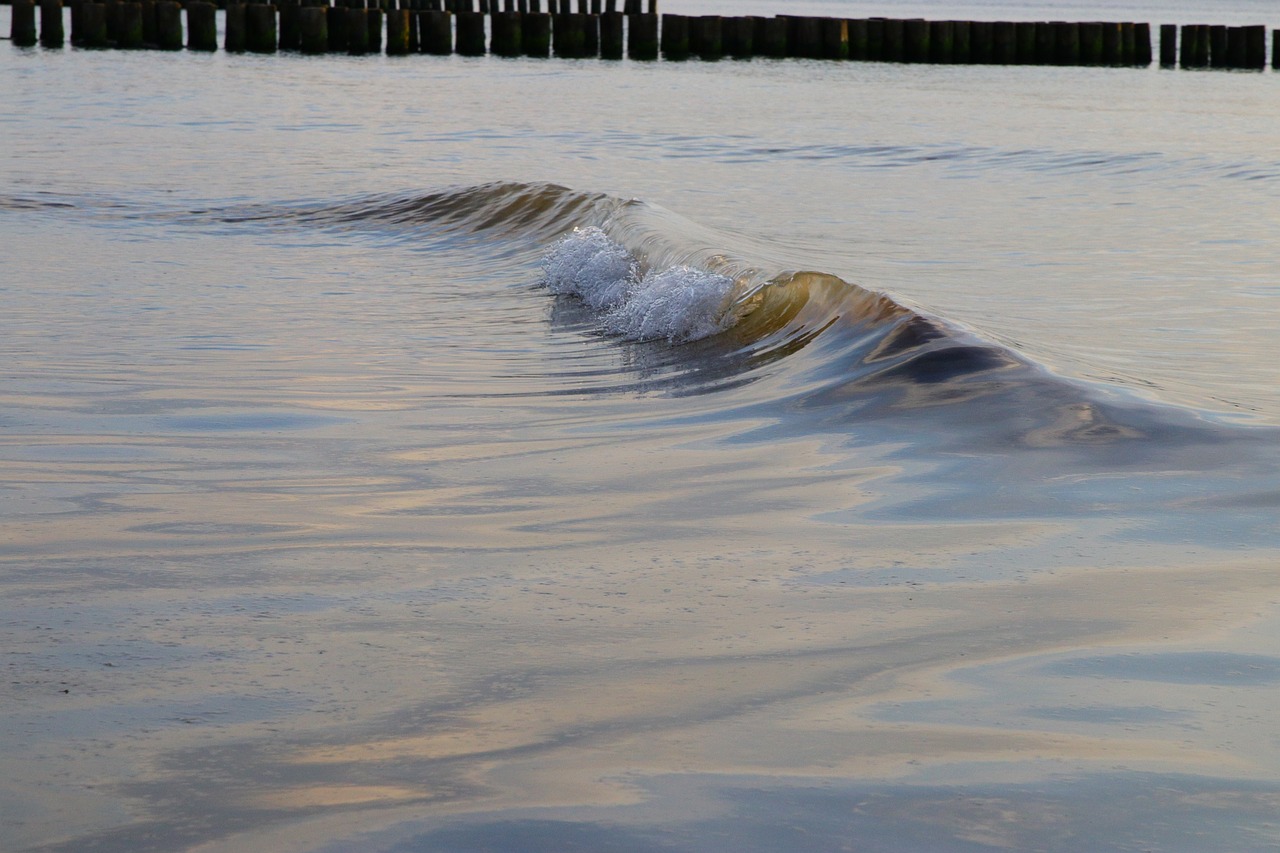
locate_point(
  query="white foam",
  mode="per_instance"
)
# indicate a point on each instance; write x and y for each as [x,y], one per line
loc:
[679,303]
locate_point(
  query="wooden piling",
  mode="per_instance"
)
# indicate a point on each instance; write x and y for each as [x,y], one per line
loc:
[1004,44]
[738,34]
[339,25]
[567,36]
[1128,44]
[835,38]
[373,27]
[435,32]
[770,36]
[710,38]
[982,42]
[675,37]
[875,39]
[469,38]
[313,28]
[612,36]
[857,29]
[1189,48]
[1066,39]
[962,49]
[1168,45]
[169,25]
[149,25]
[398,27]
[941,44]
[535,34]
[504,37]
[804,36]
[260,28]
[93,26]
[1142,44]
[892,46]
[22,23]
[290,35]
[129,35]
[202,26]
[357,31]
[642,37]
[52,33]
[915,40]
[1091,43]
[1024,35]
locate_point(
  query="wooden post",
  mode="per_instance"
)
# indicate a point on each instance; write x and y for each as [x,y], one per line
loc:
[313,28]
[642,36]
[129,36]
[357,31]
[835,38]
[22,23]
[1168,45]
[770,36]
[675,37]
[962,49]
[260,28]
[338,26]
[470,34]
[1004,44]
[1128,44]
[941,48]
[1236,52]
[982,42]
[1110,44]
[857,38]
[875,39]
[892,49]
[1190,47]
[915,34]
[613,43]
[1275,49]
[1142,44]
[1091,43]
[710,37]
[536,34]
[566,36]
[290,36]
[1255,47]
[52,33]
[1066,37]
[202,26]
[149,24]
[398,31]
[1024,34]
[373,28]
[505,38]
[804,37]
[436,32]
[169,25]
[93,22]
[739,37]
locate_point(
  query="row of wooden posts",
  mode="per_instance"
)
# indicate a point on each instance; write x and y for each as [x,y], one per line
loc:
[521,28]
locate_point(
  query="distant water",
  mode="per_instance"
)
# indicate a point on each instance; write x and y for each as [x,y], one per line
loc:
[444,454]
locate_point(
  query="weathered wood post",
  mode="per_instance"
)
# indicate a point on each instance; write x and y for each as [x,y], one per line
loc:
[962,49]
[675,37]
[290,12]
[1066,37]
[1024,33]
[202,26]
[1168,45]
[1091,43]
[93,25]
[1255,47]
[857,38]
[642,36]
[1004,44]
[536,34]
[149,23]
[470,34]
[739,37]
[982,42]
[22,23]
[875,39]
[892,49]
[835,38]
[941,44]
[1142,44]
[1275,49]
[169,25]
[373,27]
[1193,53]
[260,28]
[567,36]
[357,30]
[398,26]
[915,34]
[710,37]
[804,37]
[613,43]
[504,40]
[1128,44]
[129,35]
[313,28]
[436,32]
[770,36]
[52,32]
[338,25]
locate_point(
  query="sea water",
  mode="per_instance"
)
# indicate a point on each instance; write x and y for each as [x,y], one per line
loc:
[442,454]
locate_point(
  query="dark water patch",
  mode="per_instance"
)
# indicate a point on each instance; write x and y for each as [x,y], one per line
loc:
[1213,668]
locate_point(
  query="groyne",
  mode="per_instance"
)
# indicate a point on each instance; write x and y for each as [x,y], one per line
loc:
[617,29]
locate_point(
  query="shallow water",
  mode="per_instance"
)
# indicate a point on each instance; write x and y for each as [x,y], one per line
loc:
[887,461]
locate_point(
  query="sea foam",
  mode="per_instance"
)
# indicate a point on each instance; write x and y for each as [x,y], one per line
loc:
[679,303]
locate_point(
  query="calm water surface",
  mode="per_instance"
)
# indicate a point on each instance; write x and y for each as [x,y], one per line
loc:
[457,455]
